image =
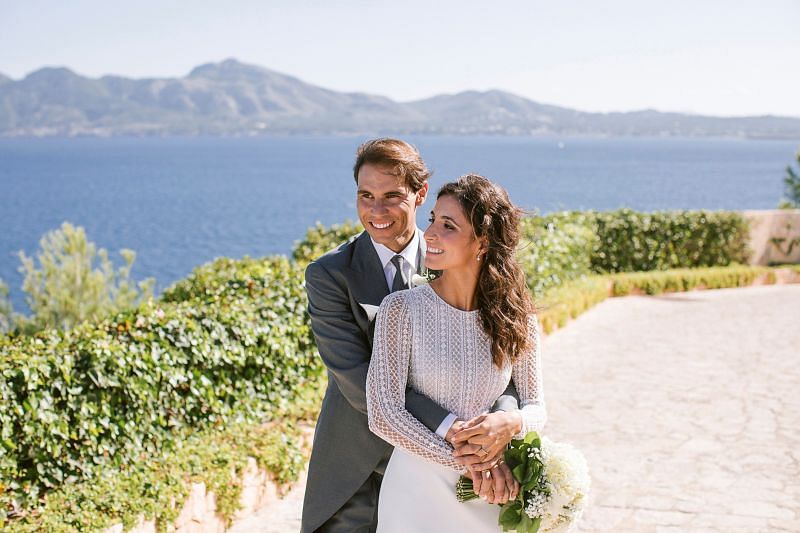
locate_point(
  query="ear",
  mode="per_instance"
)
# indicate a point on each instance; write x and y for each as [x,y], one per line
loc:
[421,195]
[484,245]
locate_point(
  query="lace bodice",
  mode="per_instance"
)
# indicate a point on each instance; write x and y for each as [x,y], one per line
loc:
[441,352]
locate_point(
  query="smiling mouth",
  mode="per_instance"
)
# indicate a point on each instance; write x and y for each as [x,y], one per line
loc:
[381,226]
[434,251]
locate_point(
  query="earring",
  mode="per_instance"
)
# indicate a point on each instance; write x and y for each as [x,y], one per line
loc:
[479,257]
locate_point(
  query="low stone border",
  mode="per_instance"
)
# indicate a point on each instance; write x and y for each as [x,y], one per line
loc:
[199,511]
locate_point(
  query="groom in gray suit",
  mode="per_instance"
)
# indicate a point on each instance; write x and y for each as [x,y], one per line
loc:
[345,288]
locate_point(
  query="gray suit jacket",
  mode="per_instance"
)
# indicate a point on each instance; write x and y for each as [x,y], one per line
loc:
[344,287]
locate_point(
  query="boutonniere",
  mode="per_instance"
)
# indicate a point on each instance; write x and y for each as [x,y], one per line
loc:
[417,280]
[430,275]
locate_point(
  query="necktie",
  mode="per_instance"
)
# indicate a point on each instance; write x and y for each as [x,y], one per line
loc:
[399,283]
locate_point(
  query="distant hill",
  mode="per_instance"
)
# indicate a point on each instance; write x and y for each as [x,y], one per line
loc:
[233,98]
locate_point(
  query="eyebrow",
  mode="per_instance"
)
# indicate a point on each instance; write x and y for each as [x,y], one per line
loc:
[446,217]
[393,191]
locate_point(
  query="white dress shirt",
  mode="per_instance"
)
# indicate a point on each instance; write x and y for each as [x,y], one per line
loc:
[410,256]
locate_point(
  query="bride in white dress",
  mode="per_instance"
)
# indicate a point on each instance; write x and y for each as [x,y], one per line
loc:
[457,340]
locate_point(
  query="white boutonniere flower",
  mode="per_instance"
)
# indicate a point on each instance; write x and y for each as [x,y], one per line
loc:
[417,280]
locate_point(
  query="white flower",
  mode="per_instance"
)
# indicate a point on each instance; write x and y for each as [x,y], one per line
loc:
[537,505]
[417,280]
[568,479]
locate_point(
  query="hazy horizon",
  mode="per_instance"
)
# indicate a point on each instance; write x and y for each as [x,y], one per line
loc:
[709,58]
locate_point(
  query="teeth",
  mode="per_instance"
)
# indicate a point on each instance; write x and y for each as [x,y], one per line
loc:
[381,226]
[434,250]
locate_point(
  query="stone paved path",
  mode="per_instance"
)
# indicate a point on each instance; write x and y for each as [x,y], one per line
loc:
[687,407]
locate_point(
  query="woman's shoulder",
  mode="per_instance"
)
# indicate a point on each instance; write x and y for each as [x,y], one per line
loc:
[408,299]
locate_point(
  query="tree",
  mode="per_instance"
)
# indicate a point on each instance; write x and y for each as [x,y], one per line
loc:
[67,288]
[6,309]
[792,187]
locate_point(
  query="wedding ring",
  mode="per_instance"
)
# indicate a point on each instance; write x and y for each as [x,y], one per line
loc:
[488,474]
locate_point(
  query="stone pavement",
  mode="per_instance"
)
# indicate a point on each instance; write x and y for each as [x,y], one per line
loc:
[685,405]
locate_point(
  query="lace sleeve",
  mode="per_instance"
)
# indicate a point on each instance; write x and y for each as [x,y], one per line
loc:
[527,376]
[386,385]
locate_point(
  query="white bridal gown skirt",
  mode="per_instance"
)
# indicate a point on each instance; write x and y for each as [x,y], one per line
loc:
[420,496]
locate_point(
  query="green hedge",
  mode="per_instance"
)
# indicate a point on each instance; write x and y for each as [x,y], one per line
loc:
[560,304]
[681,280]
[629,241]
[157,489]
[320,239]
[231,342]
[555,249]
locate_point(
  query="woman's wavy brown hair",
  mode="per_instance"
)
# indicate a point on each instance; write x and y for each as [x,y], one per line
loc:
[503,299]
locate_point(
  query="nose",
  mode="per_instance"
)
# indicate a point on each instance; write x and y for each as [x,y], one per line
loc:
[429,234]
[378,205]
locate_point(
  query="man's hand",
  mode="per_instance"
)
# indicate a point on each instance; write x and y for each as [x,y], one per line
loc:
[457,426]
[479,443]
[505,487]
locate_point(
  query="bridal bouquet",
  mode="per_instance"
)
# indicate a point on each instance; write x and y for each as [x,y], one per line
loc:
[554,485]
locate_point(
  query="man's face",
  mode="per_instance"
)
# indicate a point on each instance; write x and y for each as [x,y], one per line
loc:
[387,207]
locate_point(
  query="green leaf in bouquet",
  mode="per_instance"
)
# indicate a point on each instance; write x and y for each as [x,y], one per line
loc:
[535,523]
[510,515]
[530,485]
[513,457]
[532,438]
[525,524]
[519,472]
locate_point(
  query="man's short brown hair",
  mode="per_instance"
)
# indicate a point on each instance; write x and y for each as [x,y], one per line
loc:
[395,157]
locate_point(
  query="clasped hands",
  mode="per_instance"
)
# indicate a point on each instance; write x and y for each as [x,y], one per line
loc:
[479,445]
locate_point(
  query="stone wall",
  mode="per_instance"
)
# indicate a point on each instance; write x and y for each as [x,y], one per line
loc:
[199,512]
[774,236]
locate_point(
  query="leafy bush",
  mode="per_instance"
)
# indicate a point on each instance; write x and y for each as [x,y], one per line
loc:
[629,241]
[568,301]
[560,304]
[6,309]
[230,342]
[791,183]
[321,239]
[67,288]
[689,279]
[157,488]
[555,249]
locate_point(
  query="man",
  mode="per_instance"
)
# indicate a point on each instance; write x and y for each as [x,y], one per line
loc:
[345,288]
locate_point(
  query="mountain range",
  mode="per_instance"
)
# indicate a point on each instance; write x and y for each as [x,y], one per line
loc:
[236,99]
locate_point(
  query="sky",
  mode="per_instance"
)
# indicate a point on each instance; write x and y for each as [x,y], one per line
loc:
[732,58]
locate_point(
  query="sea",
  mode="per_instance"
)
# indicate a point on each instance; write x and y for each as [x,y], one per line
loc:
[181,202]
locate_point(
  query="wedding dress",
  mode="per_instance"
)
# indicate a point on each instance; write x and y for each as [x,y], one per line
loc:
[442,352]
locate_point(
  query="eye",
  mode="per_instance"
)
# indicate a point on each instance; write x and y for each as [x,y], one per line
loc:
[448,226]
[430,219]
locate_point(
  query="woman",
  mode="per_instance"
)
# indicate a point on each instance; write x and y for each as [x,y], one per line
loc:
[457,340]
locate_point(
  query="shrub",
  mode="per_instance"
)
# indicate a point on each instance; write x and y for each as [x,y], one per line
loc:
[791,184]
[231,342]
[68,288]
[320,239]
[629,241]
[568,301]
[555,249]
[689,279]
[6,309]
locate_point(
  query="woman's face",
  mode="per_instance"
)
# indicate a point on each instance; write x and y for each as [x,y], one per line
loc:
[451,242]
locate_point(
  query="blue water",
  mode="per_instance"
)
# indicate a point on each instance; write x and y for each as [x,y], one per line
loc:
[182,202]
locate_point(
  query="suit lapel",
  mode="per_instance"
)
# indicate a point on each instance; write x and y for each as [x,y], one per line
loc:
[422,270]
[366,280]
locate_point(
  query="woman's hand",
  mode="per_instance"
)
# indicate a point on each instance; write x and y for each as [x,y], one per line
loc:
[480,442]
